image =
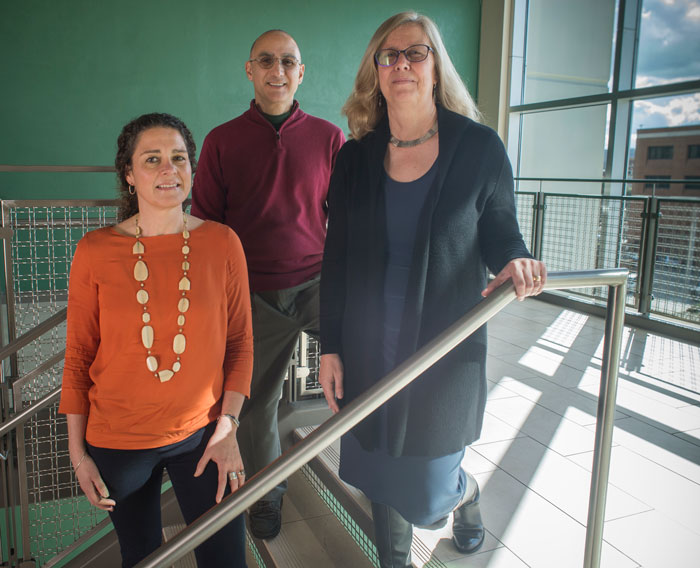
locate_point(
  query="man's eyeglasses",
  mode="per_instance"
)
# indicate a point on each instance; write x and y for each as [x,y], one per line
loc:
[267,61]
[413,53]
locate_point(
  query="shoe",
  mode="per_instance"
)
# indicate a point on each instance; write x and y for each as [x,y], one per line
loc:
[265,519]
[468,529]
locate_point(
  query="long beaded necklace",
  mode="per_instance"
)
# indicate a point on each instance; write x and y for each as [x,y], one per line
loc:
[142,297]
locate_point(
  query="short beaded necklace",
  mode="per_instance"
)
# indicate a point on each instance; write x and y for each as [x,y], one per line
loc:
[410,143]
[147,333]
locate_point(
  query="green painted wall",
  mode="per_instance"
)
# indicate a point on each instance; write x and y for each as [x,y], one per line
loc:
[74,72]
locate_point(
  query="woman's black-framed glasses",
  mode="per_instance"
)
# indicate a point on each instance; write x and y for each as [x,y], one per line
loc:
[413,53]
[267,61]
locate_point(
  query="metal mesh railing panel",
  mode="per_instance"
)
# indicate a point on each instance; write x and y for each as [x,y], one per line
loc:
[58,512]
[570,235]
[630,239]
[524,203]
[42,247]
[587,233]
[312,362]
[676,289]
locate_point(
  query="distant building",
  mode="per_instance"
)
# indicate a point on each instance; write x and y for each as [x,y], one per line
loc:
[668,153]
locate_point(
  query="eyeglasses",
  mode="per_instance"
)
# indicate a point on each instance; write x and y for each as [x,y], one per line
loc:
[267,61]
[413,53]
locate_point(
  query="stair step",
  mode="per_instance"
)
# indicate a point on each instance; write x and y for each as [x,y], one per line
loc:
[311,535]
[431,548]
[188,560]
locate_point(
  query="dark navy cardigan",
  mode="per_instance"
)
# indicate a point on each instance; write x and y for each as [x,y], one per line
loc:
[467,226]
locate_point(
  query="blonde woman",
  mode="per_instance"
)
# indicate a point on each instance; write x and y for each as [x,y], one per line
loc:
[421,208]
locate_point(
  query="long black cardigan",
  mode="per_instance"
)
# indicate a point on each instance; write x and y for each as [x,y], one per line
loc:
[467,224]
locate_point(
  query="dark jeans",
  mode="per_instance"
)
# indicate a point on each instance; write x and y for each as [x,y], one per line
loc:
[134,479]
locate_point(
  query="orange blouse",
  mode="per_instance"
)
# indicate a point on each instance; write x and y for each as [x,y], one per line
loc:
[105,374]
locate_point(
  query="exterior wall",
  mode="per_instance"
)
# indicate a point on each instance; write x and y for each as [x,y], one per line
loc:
[680,166]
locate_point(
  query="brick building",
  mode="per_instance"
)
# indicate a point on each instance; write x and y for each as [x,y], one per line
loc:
[668,153]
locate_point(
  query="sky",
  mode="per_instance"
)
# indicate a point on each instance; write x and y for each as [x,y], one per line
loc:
[669,51]
[669,46]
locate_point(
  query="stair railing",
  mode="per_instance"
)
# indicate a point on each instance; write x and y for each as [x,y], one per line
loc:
[17,418]
[304,451]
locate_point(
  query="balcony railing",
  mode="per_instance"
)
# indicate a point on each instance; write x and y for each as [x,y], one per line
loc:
[657,238]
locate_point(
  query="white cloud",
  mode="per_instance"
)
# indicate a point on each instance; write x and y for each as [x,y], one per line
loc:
[649,80]
[676,111]
[693,12]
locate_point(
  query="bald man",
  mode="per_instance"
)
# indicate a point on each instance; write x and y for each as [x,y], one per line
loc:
[265,174]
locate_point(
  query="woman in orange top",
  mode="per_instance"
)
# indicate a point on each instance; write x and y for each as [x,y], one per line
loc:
[159,351]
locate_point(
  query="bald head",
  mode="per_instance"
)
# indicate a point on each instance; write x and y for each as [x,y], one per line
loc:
[269,33]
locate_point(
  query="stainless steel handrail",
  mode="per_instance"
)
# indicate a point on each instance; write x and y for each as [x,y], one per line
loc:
[24,340]
[370,400]
[27,413]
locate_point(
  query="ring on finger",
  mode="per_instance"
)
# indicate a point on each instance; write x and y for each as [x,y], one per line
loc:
[232,475]
[537,278]
[241,473]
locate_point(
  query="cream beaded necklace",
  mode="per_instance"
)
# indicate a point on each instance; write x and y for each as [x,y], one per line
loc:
[147,333]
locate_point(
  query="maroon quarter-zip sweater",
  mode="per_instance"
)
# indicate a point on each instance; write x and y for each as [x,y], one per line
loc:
[270,187]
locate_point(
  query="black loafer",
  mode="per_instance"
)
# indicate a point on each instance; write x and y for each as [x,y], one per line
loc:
[265,519]
[468,529]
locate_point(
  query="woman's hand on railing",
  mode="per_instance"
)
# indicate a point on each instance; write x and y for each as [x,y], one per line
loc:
[93,486]
[528,276]
[330,375]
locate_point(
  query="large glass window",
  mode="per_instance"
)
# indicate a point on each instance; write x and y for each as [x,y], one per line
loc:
[593,99]
[565,50]
[566,143]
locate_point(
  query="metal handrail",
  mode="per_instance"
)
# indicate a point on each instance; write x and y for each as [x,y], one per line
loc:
[21,417]
[602,180]
[217,517]
[25,339]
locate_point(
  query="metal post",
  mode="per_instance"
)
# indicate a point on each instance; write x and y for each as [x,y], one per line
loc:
[538,224]
[614,324]
[650,235]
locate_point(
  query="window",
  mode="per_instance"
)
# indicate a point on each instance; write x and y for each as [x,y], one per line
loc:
[660,153]
[668,32]
[659,185]
[581,74]
[693,185]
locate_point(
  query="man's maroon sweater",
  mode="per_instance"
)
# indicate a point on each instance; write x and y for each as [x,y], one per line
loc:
[270,187]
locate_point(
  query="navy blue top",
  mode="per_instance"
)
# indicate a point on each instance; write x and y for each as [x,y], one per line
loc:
[404,203]
[422,489]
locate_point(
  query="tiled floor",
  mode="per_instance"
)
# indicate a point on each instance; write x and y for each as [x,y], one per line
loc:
[535,454]
[534,458]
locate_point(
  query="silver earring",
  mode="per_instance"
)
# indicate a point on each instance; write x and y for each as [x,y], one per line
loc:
[380,98]
[132,190]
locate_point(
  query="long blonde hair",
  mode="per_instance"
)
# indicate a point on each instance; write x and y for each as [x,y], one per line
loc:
[363,107]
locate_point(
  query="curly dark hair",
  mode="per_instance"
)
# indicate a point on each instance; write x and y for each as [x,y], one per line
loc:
[126,144]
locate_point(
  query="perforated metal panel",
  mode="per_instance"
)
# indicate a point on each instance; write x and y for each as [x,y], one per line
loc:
[54,513]
[676,289]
